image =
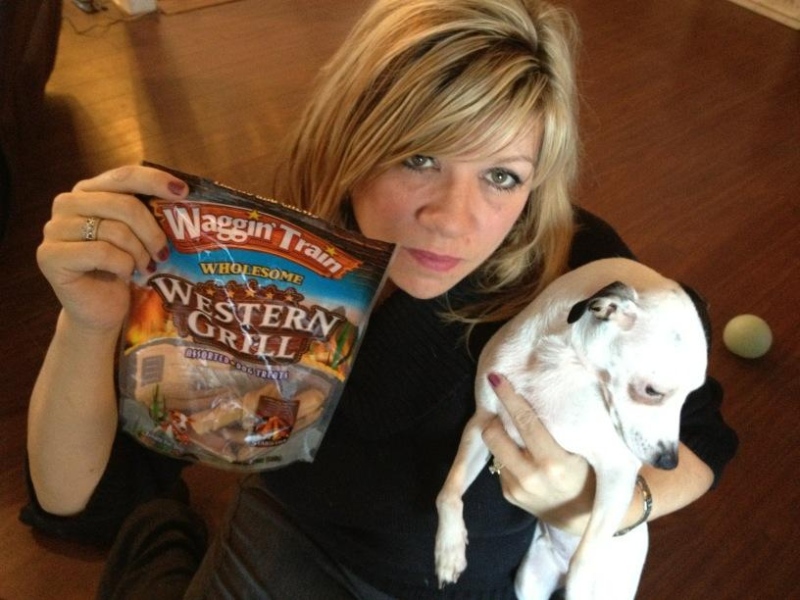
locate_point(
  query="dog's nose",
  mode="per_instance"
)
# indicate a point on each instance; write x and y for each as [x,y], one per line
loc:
[667,457]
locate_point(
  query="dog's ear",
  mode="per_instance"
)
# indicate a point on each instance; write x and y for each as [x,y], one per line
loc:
[614,302]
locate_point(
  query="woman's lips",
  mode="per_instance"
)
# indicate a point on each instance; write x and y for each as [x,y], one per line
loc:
[434,262]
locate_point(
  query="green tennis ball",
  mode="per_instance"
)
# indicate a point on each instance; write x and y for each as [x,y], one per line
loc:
[747,336]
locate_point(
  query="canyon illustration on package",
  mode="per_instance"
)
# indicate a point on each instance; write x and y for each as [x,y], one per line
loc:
[236,350]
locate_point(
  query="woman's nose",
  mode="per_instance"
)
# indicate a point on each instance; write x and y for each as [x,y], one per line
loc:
[450,210]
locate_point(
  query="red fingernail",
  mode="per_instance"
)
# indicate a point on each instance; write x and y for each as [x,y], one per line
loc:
[176,187]
[163,254]
[151,266]
[494,379]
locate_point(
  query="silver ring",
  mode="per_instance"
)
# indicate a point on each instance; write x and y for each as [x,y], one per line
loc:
[89,229]
[495,467]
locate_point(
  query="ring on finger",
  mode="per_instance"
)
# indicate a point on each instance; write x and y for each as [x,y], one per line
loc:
[89,229]
[495,467]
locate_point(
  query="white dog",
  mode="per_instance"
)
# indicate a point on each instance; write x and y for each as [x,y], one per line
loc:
[607,372]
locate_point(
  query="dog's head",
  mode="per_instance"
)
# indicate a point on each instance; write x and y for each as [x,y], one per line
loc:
[649,350]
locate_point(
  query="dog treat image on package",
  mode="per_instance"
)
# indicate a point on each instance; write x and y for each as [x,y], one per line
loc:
[236,349]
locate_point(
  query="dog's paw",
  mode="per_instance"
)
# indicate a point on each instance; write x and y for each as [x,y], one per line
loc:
[451,555]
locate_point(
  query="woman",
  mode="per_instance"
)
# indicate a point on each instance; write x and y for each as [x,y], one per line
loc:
[448,128]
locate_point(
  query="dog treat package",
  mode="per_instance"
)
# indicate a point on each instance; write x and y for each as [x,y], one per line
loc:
[236,349]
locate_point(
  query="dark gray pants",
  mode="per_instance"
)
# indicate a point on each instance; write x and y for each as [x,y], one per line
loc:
[258,554]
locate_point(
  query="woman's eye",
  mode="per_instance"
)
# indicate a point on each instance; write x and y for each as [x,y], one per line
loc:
[419,162]
[503,179]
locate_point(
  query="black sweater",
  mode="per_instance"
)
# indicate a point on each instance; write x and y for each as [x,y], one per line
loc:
[369,496]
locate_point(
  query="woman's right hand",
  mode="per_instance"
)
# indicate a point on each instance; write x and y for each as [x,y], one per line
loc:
[90,278]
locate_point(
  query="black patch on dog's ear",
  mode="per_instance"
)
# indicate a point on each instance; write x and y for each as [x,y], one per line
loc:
[701,306]
[616,289]
[577,310]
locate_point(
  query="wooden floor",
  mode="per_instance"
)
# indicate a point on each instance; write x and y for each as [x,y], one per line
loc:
[692,149]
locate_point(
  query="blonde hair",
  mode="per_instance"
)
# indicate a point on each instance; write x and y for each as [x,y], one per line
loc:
[449,77]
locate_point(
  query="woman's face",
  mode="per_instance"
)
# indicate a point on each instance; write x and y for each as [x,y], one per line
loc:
[446,215]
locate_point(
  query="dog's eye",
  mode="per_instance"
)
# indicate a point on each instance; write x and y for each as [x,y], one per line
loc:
[653,392]
[646,393]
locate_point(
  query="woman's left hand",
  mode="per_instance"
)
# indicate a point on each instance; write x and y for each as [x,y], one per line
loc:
[541,477]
